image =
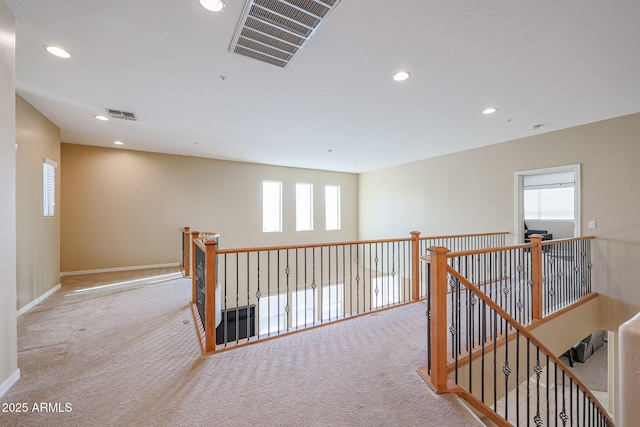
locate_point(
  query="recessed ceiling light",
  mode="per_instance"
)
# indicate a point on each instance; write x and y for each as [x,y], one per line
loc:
[57,51]
[99,117]
[401,75]
[118,142]
[489,110]
[213,5]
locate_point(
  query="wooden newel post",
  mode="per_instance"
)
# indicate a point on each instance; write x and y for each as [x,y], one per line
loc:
[438,306]
[210,296]
[192,265]
[536,273]
[415,265]
[186,250]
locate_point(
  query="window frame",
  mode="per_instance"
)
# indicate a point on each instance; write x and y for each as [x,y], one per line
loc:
[330,205]
[382,300]
[266,227]
[333,310]
[280,314]
[49,188]
[301,207]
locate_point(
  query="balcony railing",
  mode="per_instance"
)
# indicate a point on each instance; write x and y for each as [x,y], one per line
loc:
[186,240]
[261,293]
[478,345]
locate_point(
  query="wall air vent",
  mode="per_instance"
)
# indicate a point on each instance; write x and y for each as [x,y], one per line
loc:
[118,114]
[274,31]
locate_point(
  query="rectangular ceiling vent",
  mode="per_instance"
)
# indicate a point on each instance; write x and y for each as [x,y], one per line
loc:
[118,114]
[274,31]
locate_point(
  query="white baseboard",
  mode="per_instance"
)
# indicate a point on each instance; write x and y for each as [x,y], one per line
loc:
[9,382]
[111,270]
[38,300]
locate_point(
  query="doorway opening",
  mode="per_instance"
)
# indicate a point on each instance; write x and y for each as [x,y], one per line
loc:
[548,201]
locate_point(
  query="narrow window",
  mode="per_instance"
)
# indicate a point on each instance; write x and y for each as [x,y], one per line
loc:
[304,207]
[332,206]
[385,291]
[49,187]
[333,302]
[271,206]
[272,315]
[302,308]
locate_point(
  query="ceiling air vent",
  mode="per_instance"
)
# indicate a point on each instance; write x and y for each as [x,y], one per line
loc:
[118,114]
[274,31]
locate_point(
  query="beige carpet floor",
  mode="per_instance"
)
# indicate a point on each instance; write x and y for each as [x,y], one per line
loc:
[127,355]
[594,371]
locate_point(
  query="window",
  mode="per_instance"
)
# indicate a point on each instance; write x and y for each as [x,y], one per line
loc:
[272,316]
[304,207]
[549,196]
[549,204]
[332,206]
[385,291]
[271,206]
[303,308]
[333,302]
[49,187]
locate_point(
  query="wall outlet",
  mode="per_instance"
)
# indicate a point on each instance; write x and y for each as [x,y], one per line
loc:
[592,224]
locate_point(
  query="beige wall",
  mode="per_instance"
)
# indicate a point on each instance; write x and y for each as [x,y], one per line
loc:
[8,332]
[38,238]
[472,191]
[125,208]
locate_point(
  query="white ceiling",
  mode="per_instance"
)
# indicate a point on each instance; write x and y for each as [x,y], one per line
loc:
[559,63]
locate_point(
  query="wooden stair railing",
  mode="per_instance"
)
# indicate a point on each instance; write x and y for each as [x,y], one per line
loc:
[502,340]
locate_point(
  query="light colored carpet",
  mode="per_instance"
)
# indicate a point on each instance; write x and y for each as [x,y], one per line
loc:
[594,371]
[128,355]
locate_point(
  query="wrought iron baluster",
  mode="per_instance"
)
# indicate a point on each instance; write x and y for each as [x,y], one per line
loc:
[548,405]
[258,294]
[506,370]
[483,327]
[358,280]
[248,331]
[495,356]
[570,414]
[328,288]
[528,380]
[470,337]
[517,375]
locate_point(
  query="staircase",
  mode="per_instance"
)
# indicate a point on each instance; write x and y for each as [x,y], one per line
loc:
[494,317]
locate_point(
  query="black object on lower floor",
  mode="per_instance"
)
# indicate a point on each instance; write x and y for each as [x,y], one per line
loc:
[237,323]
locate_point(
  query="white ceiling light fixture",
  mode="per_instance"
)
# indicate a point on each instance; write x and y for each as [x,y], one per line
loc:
[213,5]
[118,142]
[58,51]
[489,110]
[103,118]
[401,76]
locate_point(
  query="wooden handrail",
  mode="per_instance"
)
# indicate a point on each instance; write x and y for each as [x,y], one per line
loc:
[523,331]
[354,242]
[406,255]
[487,250]
[568,239]
[453,236]
[311,245]
[519,246]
